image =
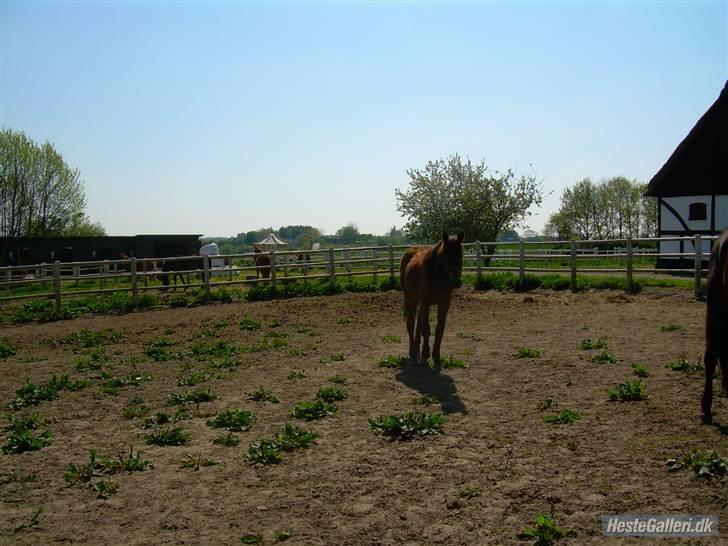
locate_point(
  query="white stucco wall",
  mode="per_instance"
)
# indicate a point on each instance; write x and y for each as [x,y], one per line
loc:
[681,204]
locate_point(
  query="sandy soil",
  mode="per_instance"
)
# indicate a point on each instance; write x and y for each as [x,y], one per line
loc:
[353,486]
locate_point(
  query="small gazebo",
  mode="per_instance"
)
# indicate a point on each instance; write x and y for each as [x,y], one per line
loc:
[271,242]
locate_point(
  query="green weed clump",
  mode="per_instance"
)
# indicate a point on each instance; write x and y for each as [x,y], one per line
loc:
[331,394]
[195,396]
[89,339]
[313,410]
[263,395]
[22,438]
[234,420]
[588,344]
[290,438]
[639,370]
[565,417]
[605,357]
[409,425]
[93,360]
[392,361]
[450,363]
[627,392]
[31,394]
[6,349]
[134,409]
[682,364]
[526,352]
[546,531]
[168,437]
[220,353]
[706,464]
[249,324]
[112,384]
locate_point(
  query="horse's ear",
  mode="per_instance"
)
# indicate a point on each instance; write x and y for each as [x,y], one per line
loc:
[461,236]
[445,236]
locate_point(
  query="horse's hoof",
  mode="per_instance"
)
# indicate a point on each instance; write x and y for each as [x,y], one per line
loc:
[706,419]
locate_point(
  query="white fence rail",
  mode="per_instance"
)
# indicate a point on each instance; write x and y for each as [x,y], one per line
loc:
[63,279]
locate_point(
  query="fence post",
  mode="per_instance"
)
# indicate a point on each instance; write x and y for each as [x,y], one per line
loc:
[145,268]
[206,274]
[630,286]
[478,261]
[573,265]
[273,268]
[57,284]
[332,271]
[391,263]
[133,276]
[375,264]
[521,265]
[698,264]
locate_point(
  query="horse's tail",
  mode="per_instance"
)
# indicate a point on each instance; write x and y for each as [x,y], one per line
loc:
[722,265]
[406,258]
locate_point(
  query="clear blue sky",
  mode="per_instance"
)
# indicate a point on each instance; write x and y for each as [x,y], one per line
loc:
[222,118]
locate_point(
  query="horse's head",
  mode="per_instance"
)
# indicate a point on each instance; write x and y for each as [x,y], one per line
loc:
[451,253]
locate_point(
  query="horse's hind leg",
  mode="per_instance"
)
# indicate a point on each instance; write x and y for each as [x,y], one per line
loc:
[710,359]
[410,312]
[423,322]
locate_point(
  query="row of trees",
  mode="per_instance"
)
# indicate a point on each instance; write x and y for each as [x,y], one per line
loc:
[613,208]
[40,195]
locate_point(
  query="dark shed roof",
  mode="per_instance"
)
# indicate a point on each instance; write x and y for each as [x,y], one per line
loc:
[699,165]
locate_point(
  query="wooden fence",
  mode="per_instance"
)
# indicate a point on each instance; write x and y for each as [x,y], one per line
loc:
[62,279]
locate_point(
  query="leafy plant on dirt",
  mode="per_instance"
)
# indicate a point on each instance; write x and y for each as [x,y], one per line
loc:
[221,353]
[338,357]
[21,440]
[605,357]
[409,425]
[281,536]
[564,417]
[131,462]
[707,464]
[450,363]
[588,344]
[312,410]
[627,392]
[546,531]
[249,324]
[193,379]
[251,539]
[93,360]
[331,394]
[157,350]
[235,420]
[545,404]
[296,374]
[6,349]
[99,466]
[134,409]
[288,439]
[156,419]
[526,352]
[195,396]
[31,394]
[469,492]
[671,327]
[392,361]
[104,489]
[227,440]
[263,395]
[87,339]
[391,339]
[168,437]
[195,463]
[83,473]
[425,400]
[113,384]
[338,379]
[682,364]
[639,370]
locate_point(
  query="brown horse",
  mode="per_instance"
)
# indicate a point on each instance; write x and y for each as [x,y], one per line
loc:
[716,323]
[178,269]
[428,276]
[262,264]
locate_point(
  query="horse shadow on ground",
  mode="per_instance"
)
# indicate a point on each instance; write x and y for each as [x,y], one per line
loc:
[429,382]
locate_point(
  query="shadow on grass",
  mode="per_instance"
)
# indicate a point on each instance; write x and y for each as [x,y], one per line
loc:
[428,382]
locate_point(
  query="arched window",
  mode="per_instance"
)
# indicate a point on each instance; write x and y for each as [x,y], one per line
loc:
[698,211]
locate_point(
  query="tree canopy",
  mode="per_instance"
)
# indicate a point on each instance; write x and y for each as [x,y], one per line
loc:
[611,209]
[40,195]
[455,195]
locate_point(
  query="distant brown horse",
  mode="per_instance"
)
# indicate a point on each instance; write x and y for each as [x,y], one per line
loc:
[304,261]
[428,277]
[262,264]
[716,323]
[178,269]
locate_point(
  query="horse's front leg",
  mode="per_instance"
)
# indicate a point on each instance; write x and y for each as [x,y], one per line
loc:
[442,310]
[423,322]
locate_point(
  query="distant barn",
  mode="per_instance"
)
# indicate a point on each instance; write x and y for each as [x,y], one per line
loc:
[692,186]
[35,250]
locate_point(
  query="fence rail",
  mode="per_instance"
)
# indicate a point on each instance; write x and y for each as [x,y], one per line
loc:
[57,280]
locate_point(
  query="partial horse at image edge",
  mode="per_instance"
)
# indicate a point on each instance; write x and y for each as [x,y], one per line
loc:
[716,323]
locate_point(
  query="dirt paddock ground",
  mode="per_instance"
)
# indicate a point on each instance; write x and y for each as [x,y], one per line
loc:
[354,486]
